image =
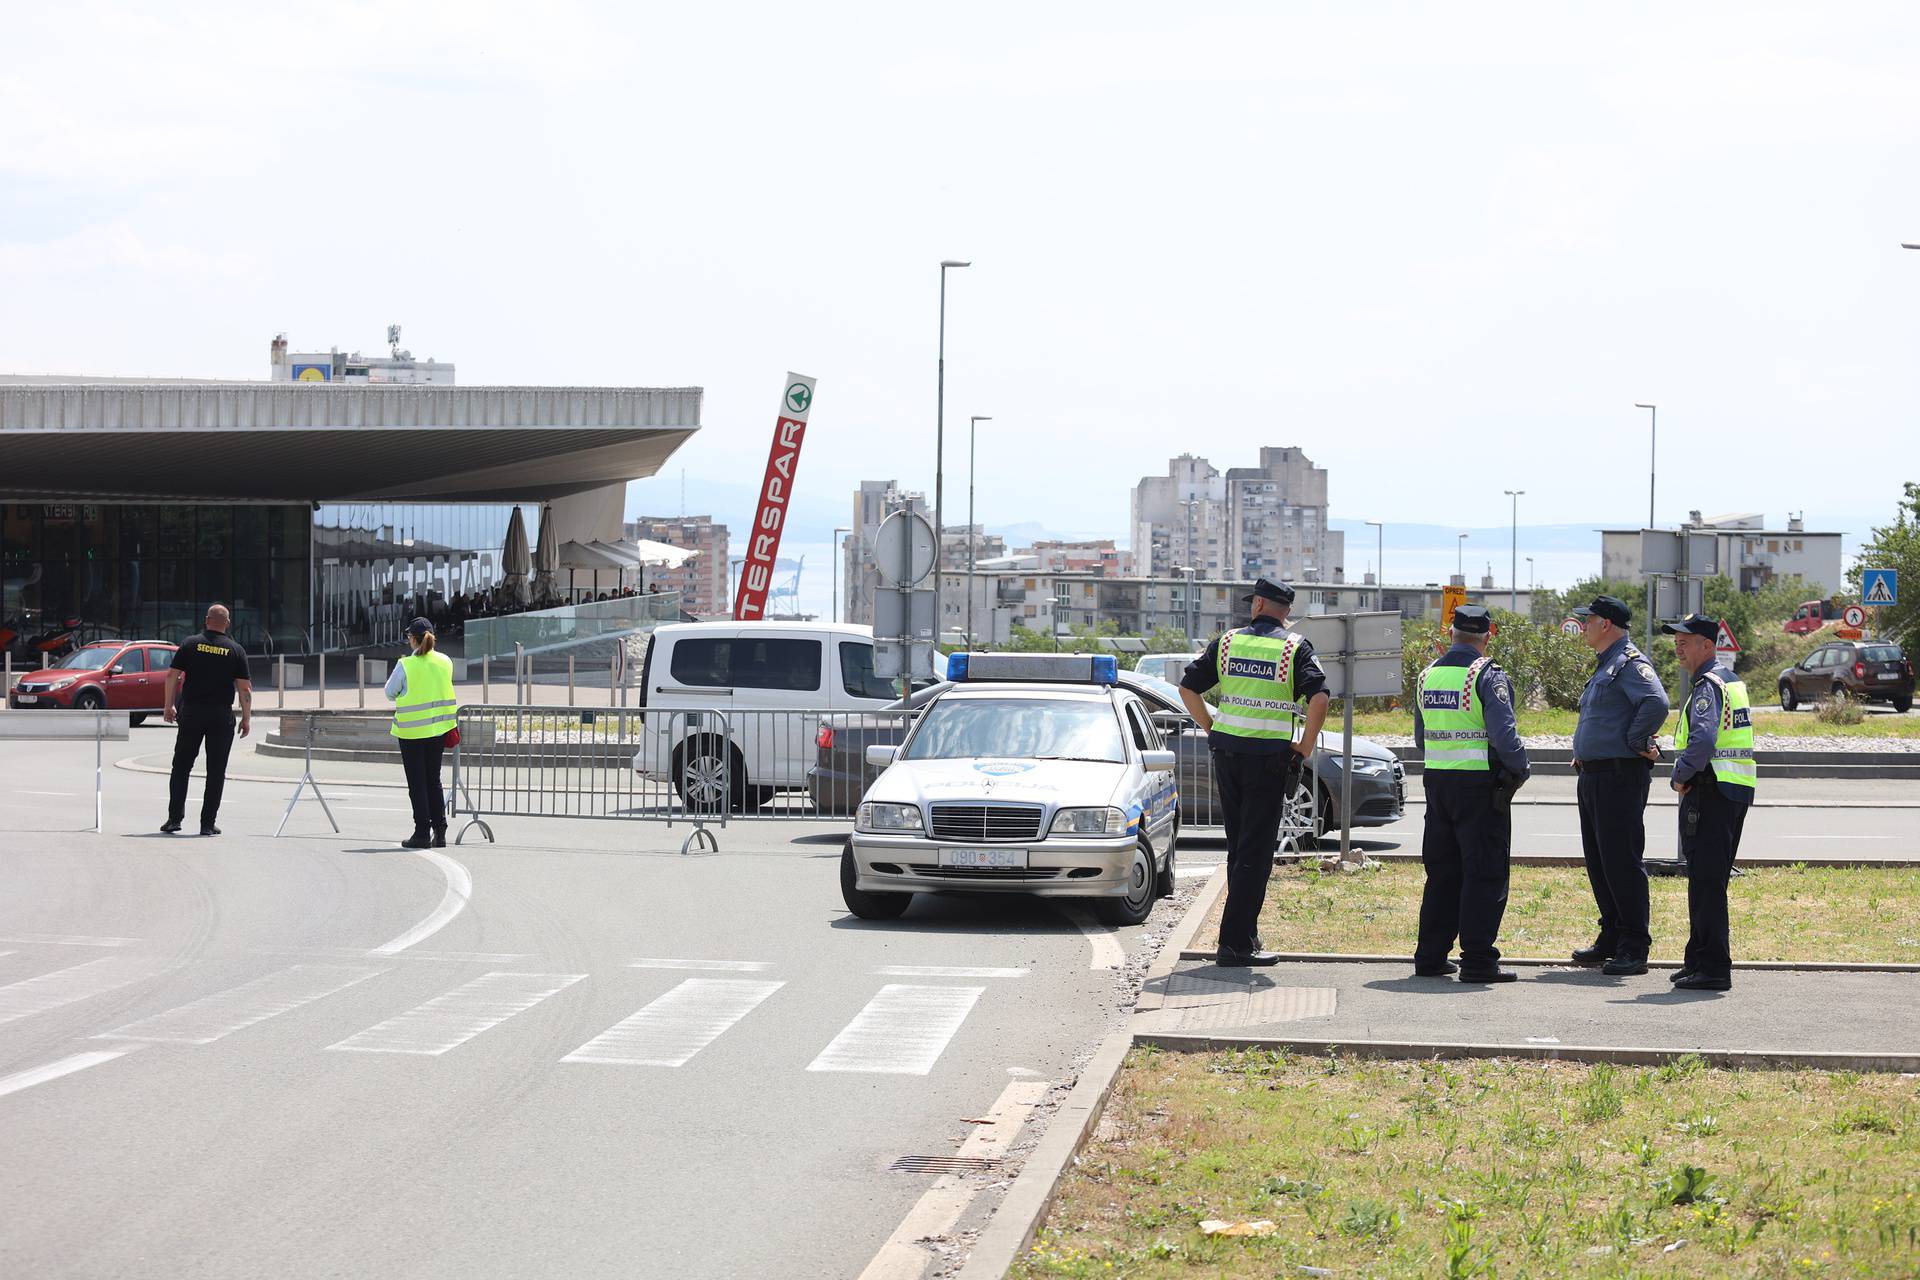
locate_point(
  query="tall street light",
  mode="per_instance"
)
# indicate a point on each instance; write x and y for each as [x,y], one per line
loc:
[1460,559]
[1513,571]
[1653,460]
[1380,561]
[839,550]
[973,424]
[1530,587]
[940,438]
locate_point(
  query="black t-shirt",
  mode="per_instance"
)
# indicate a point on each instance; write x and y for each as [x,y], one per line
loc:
[210,663]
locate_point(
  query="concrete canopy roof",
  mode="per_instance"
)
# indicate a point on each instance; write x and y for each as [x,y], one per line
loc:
[288,442]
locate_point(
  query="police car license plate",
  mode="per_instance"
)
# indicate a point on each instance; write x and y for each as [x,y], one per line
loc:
[983,857]
[26,699]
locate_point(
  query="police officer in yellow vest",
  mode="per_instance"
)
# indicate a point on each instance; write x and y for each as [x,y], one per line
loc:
[1715,777]
[1473,762]
[424,712]
[1269,684]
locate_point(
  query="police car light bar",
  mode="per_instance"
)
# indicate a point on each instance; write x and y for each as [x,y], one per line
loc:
[1048,668]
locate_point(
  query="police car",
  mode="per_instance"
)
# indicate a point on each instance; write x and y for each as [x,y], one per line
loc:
[1033,773]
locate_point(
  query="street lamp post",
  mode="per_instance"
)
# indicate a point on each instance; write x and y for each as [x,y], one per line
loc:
[1513,569]
[1380,562]
[1193,561]
[1460,559]
[839,549]
[1653,462]
[972,425]
[940,438]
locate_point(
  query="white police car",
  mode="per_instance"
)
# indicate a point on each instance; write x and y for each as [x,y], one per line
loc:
[1034,773]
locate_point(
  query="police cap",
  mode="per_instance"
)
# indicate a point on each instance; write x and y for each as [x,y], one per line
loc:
[1693,624]
[419,627]
[1472,619]
[1612,608]
[1268,589]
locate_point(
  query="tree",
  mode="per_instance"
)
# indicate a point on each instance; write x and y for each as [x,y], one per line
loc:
[1896,546]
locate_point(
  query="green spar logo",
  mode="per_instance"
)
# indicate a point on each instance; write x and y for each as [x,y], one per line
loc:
[799,396]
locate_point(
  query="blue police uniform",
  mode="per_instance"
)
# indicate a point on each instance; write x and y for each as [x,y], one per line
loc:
[1621,712]
[1712,815]
[1466,847]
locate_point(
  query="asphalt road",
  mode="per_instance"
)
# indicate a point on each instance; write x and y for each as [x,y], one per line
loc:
[575,1052]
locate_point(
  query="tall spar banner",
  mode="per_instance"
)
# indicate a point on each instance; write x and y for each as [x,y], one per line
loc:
[776,490]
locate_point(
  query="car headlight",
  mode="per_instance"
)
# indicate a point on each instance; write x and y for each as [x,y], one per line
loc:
[1369,764]
[889,817]
[61,684]
[1105,821]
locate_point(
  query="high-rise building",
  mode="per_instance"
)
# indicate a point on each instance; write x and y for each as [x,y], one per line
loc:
[873,502]
[700,580]
[1269,519]
[1179,520]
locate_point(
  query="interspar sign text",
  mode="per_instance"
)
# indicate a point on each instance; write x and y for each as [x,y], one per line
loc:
[776,493]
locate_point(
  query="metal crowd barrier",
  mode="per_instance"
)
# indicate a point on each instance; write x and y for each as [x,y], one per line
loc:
[70,726]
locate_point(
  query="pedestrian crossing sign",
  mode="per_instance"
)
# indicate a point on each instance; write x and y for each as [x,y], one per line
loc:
[1880,586]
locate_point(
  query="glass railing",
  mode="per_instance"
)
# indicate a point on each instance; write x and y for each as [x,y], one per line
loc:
[495,637]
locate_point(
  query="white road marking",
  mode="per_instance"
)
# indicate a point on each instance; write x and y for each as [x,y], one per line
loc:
[54,1070]
[44,793]
[902,1257]
[1107,951]
[902,1031]
[70,940]
[212,1017]
[356,953]
[724,966]
[9,953]
[459,889]
[676,1026]
[947,971]
[449,1021]
[65,986]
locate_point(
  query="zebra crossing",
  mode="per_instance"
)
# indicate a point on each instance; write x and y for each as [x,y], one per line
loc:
[904,1027]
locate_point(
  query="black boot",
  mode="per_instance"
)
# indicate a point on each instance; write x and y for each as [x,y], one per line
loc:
[418,840]
[439,837]
[1598,954]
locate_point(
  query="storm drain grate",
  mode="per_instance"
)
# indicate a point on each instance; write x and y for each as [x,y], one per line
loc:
[945,1164]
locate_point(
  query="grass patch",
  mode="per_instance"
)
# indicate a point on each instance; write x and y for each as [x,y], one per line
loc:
[1777,913]
[1490,1168]
[1809,723]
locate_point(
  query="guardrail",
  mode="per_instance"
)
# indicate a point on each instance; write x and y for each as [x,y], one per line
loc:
[71,726]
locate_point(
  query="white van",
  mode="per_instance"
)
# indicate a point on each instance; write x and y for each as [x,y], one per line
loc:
[769,682]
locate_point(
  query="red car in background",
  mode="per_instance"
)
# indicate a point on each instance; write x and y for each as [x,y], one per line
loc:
[119,676]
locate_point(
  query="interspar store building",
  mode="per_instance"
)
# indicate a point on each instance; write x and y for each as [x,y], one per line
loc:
[314,510]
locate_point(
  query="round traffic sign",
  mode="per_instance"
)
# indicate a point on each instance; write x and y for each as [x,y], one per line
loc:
[1854,616]
[1571,627]
[903,549]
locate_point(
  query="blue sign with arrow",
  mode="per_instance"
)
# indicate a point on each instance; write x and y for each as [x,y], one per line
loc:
[1880,586]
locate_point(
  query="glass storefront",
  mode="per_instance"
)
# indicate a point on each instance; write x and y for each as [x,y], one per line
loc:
[148,571]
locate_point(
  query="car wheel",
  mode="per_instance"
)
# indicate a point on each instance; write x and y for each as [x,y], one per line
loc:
[1839,693]
[1302,822]
[1163,886]
[137,718]
[867,906]
[1787,701]
[1902,705]
[88,700]
[704,769]
[1141,883]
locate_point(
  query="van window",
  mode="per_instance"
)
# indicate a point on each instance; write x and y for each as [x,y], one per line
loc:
[702,662]
[856,673]
[776,664]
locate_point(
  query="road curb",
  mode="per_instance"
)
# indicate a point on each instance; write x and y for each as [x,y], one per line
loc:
[1012,1228]
[132,765]
[1552,962]
[1634,1056]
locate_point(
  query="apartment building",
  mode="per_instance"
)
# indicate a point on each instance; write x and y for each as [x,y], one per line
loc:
[702,579]
[873,502]
[1745,550]
[1266,520]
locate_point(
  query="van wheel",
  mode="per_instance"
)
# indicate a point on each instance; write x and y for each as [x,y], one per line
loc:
[702,768]
[1141,883]
[867,906]
[1163,886]
[1787,701]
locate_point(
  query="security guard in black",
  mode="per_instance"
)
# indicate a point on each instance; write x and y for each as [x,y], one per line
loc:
[208,669]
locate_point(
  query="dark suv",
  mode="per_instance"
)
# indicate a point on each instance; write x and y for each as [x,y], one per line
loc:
[1871,670]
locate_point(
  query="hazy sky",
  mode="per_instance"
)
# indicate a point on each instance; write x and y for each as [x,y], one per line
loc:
[1444,248]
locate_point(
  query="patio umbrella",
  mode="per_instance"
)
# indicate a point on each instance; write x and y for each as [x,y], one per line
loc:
[515,563]
[546,559]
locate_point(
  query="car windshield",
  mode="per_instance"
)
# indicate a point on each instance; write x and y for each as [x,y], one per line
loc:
[1880,653]
[1165,692]
[1024,728]
[90,659]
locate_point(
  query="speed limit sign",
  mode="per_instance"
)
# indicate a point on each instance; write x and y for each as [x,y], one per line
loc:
[1854,616]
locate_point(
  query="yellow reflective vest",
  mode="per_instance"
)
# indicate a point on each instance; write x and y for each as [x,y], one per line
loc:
[427,709]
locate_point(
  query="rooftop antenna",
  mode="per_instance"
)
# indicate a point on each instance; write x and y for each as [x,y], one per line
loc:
[393,339]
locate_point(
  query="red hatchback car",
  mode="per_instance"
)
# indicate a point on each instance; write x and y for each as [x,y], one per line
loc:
[118,675]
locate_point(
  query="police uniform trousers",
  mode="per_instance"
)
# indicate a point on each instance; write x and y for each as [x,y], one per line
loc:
[211,727]
[1253,788]
[1710,826]
[1466,850]
[1613,838]
[420,757]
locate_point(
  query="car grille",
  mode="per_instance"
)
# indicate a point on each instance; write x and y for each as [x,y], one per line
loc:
[986,821]
[984,873]
[24,687]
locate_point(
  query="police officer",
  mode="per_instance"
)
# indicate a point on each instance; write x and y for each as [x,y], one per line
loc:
[1268,682]
[1614,749]
[1463,722]
[1715,777]
[211,666]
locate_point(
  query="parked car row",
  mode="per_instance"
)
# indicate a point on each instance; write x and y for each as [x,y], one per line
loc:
[119,676]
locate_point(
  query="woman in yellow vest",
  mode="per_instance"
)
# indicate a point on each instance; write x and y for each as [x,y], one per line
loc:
[424,712]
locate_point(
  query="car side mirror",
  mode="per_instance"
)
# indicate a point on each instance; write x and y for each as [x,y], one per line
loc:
[881,756]
[1157,761]
[118,669]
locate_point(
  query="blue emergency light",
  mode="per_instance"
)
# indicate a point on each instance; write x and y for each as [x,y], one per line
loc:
[1042,668]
